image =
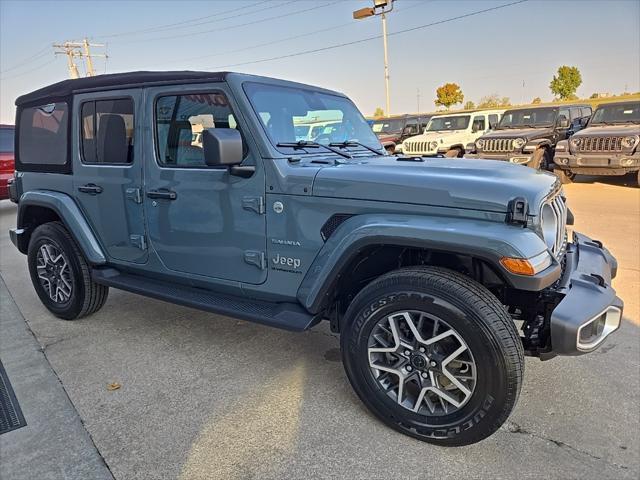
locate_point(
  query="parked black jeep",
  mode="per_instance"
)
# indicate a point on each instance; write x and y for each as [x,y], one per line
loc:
[528,136]
[392,131]
[608,146]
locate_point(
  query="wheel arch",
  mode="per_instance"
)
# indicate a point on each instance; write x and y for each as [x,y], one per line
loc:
[369,245]
[43,206]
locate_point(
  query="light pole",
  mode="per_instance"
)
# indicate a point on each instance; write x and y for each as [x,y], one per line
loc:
[380,7]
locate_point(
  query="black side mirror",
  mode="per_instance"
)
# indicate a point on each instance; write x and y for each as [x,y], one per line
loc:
[563,122]
[222,147]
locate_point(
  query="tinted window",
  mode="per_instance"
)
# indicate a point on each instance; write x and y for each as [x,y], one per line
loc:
[529,117]
[575,113]
[493,120]
[478,124]
[586,111]
[6,140]
[43,134]
[179,120]
[617,113]
[107,131]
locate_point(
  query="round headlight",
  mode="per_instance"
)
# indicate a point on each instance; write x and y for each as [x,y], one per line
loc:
[549,224]
[518,142]
[433,145]
[479,143]
[629,142]
[574,143]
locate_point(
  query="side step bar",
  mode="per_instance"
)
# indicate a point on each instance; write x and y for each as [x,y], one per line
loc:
[288,316]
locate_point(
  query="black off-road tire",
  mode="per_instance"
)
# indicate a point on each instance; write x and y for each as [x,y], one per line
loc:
[86,296]
[454,153]
[541,159]
[477,316]
[566,176]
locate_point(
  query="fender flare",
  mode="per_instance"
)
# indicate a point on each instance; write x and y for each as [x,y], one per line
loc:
[483,239]
[67,209]
[537,143]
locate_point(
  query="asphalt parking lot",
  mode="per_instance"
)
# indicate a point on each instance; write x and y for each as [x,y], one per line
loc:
[203,396]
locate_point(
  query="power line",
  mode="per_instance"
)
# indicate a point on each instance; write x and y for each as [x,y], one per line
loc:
[36,56]
[29,71]
[294,37]
[178,24]
[264,19]
[368,39]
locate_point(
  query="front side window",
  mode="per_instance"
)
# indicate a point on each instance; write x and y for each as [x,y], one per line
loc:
[493,120]
[281,108]
[529,117]
[180,121]
[449,123]
[478,124]
[43,134]
[107,128]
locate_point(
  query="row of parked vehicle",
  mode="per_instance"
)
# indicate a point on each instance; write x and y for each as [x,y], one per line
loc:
[568,139]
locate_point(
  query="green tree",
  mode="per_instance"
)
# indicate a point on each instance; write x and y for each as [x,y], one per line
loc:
[469,105]
[490,101]
[536,100]
[566,82]
[448,94]
[379,112]
[594,95]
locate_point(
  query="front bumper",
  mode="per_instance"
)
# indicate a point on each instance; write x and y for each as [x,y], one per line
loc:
[589,311]
[598,164]
[511,157]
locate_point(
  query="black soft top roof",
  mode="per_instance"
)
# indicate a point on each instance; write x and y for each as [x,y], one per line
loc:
[114,81]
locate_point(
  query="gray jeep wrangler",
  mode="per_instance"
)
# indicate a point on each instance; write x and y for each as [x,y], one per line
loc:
[610,145]
[439,275]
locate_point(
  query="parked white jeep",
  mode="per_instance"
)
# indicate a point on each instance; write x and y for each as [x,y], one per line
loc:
[448,134]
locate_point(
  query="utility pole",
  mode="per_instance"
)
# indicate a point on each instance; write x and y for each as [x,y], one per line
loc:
[380,7]
[78,50]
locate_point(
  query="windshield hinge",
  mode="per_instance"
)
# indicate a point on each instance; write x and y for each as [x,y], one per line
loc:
[255,204]
[518,211]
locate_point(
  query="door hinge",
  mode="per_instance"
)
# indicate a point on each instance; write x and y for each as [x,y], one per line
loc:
[134,194]
[254,203]
[138,241]
[255,258]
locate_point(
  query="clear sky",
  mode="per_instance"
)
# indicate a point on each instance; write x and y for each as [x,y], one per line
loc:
[512,51]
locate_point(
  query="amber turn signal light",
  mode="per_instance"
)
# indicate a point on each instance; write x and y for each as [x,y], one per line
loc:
[518,266]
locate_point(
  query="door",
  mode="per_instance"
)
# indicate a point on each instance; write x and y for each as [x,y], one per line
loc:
[202,220]
[107,171]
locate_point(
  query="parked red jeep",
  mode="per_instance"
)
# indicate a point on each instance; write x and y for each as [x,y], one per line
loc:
[7,165]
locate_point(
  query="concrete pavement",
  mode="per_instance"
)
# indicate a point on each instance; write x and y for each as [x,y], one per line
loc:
[205,396]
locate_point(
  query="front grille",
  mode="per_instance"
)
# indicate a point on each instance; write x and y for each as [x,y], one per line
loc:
[497,145]
[599,144]
[415,147]
[559,207]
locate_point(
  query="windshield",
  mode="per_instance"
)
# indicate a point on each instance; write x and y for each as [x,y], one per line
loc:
[529,117]
[616,113]
[448,123]
[6,140]
[388,125]
[336,119]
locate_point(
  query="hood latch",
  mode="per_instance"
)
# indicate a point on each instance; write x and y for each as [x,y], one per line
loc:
[518,211]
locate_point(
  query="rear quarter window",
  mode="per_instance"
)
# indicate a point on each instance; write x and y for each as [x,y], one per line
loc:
[42,135]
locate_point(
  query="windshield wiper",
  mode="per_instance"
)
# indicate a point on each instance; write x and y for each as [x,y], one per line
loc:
[353,143]
[308,144]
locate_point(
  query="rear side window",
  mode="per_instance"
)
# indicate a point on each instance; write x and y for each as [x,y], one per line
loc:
[180,121]
[107,131]
[575,113]
[43,135]
[6,140]
[586,111]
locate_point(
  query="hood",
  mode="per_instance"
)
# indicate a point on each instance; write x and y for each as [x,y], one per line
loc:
[526,133]
[461,183]
[436,135]
[388,137]
[609,130]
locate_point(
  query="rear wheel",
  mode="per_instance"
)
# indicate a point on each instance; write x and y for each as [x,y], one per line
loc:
[454,153]
[61,275]
[565,176]
[433,354]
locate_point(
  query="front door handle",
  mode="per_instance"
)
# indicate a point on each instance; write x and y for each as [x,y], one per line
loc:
[91,189]
[162,194]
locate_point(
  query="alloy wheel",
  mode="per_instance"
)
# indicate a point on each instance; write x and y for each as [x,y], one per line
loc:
[54,273]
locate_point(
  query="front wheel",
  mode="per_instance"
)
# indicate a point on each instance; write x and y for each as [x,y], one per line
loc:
[565,176]
[454,153]
[433,354]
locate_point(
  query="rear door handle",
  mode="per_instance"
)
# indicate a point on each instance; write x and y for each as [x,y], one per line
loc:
[162,194]
[91,189]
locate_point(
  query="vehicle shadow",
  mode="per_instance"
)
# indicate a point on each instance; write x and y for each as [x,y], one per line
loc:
[630,180]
